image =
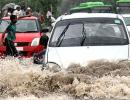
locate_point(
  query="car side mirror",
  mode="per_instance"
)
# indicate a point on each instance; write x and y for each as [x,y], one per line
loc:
[45,30]
[44,40]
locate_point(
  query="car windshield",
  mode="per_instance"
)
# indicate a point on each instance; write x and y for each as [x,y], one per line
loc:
[21,26]
[127,20]
[89,32]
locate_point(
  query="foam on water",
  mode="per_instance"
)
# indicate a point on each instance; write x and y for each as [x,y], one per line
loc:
[31,97]
[23,80]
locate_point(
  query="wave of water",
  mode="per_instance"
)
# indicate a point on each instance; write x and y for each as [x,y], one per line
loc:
[100,80]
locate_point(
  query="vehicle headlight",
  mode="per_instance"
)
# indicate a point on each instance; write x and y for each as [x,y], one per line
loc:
[52,67]
[35,42]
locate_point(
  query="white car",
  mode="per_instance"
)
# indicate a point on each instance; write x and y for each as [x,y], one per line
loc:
[81,37]
[127,20]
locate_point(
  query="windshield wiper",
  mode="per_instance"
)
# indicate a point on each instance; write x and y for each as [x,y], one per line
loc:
[6,21]
[84,36]
[61,37]
[128,25]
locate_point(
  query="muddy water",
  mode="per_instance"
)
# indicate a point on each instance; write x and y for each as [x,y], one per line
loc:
[100,80]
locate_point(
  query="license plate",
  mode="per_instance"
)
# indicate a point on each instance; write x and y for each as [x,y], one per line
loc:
[19,48]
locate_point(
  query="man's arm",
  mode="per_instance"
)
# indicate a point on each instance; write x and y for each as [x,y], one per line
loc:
[29,15]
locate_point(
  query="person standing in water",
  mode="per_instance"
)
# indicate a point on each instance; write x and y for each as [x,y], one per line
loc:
[10,38]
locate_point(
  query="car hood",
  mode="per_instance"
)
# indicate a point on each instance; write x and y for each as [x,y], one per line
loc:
[25,37]
[64,56]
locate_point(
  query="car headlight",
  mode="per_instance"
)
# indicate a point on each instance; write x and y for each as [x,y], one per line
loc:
[35,42]
[51,66]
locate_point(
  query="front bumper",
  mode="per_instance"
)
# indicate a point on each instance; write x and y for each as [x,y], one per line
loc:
[25,51]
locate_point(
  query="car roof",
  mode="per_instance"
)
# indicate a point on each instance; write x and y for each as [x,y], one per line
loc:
[89,15]
[126,15]
[25,18]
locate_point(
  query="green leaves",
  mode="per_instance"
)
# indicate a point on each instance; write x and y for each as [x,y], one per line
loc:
[41,5]
[44,5]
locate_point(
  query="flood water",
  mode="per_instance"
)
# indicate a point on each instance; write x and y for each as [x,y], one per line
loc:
[20,79]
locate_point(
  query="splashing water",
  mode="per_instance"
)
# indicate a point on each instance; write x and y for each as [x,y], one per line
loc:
[23,80]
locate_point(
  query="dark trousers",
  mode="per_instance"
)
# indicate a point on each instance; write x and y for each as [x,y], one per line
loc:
[10,48]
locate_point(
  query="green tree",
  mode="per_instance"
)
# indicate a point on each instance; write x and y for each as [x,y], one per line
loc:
[41,5]
[44,5]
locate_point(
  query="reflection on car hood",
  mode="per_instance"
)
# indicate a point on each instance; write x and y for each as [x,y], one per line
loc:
[64,56]
[26,37]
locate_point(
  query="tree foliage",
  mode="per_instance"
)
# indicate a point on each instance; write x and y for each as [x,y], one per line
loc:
[57,6]
[41,5]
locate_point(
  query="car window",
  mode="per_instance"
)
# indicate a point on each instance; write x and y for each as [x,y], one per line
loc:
[21,26]
[127,20]
[3,25]
[102,10]
[90,32]
[123,10]
[76,27]
[26,26]
[104,30]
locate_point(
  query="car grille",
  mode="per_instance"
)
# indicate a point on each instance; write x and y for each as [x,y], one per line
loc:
[22,43]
